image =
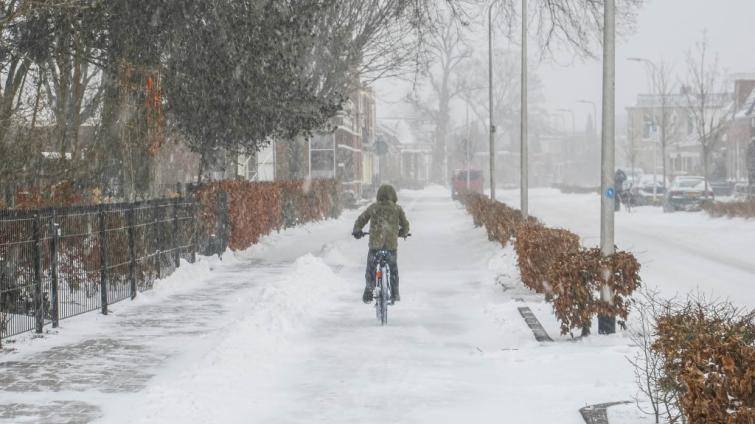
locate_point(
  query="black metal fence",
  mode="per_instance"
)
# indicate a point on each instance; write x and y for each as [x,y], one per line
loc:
[60,262]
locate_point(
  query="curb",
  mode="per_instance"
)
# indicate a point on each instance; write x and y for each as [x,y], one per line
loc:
[537,329]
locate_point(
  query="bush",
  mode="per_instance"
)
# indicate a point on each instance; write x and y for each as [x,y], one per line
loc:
[537,248]
[576,280]
[500,221]
[552,262]
[256,209]
[708,353]
[745,209]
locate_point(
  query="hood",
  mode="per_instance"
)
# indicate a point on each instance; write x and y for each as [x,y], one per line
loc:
[386,192]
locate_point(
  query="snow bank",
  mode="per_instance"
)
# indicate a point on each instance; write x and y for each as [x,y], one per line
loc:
[240,362]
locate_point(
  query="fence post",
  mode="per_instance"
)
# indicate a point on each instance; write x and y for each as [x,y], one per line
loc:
[222,214]
[103,259]
[156,238]
[9,196]
[55,230]
[176,241]
[194,233]
[131,250]
[39,317]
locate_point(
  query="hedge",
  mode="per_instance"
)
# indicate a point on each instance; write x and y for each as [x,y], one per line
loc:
[744,209]
[552,262]
[708,356]
[256,209]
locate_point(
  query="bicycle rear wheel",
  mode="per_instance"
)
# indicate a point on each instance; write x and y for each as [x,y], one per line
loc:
[385,296]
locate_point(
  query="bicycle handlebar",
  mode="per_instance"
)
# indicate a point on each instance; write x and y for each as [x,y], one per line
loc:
[365,233]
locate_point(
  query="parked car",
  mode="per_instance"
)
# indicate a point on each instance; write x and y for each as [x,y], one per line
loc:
[742,191]
[722,188]
[459,182]
[642,192]
[686,193]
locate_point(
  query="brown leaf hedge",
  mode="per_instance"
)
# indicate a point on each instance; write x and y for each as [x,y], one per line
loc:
[256,209]
[744,209]
[708,353]
[552,262]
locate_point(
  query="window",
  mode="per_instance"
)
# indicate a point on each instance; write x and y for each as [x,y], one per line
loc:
[648,126]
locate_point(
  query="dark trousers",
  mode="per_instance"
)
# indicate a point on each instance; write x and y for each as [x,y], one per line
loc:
[369,274]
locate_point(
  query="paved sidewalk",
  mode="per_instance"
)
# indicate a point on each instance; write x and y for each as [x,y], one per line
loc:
[123,356]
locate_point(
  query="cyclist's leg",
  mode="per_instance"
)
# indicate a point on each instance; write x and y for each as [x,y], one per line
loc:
[369,277]
[394,276]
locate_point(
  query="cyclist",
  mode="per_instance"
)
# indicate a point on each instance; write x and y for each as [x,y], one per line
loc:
[618,184]
[387,223]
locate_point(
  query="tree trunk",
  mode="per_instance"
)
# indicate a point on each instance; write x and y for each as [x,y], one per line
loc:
[664,122]
[705,170]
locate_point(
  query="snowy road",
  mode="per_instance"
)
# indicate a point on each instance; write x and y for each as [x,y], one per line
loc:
[679,252]
[279,335]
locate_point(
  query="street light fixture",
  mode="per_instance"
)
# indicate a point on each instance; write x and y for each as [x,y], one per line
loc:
[490,99]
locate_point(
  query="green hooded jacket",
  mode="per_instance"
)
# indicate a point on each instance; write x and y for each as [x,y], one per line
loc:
[387,220]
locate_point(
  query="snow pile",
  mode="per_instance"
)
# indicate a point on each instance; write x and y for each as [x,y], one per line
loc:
[287,305]
[247,351]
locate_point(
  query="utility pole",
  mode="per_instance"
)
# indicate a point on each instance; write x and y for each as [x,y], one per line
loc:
[467,145]
[607,324]
[490,100]
[594,112]
[524,177]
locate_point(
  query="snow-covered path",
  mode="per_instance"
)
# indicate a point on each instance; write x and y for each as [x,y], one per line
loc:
[278,335]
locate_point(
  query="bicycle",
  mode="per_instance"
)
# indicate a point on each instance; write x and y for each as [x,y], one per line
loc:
[625,198]
[381,290]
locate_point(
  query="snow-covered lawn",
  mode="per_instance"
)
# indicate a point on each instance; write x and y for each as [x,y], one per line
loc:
[278,334]
[680,252]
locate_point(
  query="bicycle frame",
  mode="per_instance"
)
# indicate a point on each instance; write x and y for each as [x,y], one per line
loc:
[382,289]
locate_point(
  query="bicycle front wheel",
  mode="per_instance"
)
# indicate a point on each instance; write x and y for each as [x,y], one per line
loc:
[385,294]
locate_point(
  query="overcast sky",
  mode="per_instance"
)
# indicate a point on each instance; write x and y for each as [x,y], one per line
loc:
[665,29]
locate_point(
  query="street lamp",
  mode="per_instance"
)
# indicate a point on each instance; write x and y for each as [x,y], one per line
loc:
[524,177]
[594,112]
[490,100]
[607,324]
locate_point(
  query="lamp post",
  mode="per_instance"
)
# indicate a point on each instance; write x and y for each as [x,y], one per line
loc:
[490,100]
[594,111]
[524,177]
[607,324]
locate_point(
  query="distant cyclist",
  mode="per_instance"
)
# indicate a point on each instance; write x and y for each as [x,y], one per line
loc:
[387,223]
[618,187]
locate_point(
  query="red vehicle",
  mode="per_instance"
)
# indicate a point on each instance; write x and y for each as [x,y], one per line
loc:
[459,182]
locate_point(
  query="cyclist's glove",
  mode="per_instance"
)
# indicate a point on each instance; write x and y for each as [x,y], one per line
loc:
[357,234]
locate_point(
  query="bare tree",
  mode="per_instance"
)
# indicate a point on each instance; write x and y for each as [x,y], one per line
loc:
[706,99]
[447,50]
[654,398]
[575,25]
[664,88]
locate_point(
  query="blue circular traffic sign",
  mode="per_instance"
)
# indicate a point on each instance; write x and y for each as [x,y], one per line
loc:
[610,193]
